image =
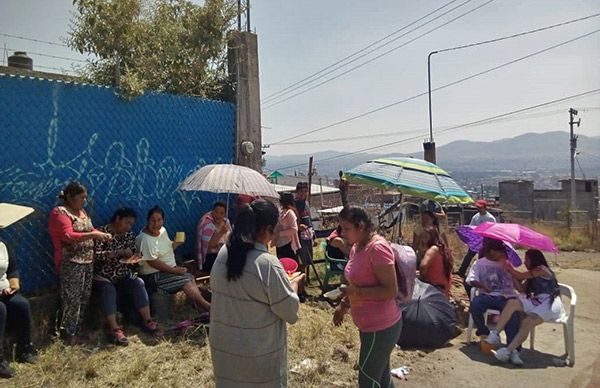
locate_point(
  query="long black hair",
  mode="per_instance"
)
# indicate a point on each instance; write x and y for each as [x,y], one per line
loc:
[435,239]
[536,259]
[251,220]
[358,217]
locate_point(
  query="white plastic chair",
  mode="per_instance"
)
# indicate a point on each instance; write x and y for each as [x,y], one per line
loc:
[567,322]
[487,313]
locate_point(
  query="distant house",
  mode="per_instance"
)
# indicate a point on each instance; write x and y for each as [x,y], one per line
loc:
[520,199]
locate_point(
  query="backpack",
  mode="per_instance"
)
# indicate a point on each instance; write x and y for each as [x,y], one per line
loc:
[405,260]
[405,265]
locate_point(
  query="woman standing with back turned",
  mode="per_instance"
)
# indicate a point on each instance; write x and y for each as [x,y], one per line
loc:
[252,301]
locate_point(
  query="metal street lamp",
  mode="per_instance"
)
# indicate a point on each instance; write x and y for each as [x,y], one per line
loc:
[429,93]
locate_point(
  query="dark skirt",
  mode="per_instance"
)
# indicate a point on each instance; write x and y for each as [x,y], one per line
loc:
[286,251]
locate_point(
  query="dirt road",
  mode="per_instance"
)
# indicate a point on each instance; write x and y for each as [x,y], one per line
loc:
[464,365]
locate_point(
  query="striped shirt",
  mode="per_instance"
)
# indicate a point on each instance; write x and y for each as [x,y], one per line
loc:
[248,334]
[204,231]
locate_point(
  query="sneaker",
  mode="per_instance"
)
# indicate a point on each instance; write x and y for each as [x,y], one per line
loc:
[27,353]
[119,337]
[493,338]
[151,326]
[502,354]
[515,358]
[6,371]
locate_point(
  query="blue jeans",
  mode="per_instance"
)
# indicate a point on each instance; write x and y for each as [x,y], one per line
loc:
[128,288]
[481,303]
[15,310]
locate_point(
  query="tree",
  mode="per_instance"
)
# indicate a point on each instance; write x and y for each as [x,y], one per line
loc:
[171,46]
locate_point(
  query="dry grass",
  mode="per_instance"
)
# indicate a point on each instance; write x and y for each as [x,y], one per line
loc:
[575,240]
[185,361]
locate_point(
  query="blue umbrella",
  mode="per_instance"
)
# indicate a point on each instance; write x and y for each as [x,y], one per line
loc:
[474,241]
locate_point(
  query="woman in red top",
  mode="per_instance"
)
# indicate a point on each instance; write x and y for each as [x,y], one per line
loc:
[371,296]
[72,236]
[436,265]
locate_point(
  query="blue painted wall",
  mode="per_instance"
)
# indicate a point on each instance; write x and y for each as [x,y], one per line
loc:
[128,153]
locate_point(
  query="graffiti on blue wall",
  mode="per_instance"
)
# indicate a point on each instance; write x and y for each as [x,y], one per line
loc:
[127,153]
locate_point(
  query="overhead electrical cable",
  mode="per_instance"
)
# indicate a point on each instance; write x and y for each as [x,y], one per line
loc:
[370,112]
[456,127]
[270,96]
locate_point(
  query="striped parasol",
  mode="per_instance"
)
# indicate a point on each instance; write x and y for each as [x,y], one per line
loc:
[410,176]
[229,178]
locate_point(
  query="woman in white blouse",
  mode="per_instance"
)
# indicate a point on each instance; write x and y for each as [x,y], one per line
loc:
[158,267]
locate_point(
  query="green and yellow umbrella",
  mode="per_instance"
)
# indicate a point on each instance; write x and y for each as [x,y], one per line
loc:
[409,176]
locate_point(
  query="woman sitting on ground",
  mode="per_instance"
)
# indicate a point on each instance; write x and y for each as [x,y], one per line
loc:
[253,299]
[540,301]
[114,277]
[436,265]
[15,310]
[158,267]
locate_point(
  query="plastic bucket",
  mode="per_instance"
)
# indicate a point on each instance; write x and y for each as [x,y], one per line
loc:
[289,265]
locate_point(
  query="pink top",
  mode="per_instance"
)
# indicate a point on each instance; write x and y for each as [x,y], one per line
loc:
[204,232]
[287,226]
[371,315]
[60,227]
[435,273]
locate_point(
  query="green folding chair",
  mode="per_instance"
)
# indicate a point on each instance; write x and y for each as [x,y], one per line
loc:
[332,266]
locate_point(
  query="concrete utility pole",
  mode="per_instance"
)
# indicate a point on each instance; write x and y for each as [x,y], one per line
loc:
[573,143]
[310,175]
[242,58]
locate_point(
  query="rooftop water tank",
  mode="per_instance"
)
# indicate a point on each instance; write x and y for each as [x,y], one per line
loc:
[20,60]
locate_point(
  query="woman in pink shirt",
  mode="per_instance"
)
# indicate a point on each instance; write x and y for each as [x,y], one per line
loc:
[285,236]
[73,238]
[371,297]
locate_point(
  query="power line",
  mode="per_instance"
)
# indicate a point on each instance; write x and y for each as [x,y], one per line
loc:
[53,68]
[456,127]
[338,139]
[32,39]
[420,130]
[272,104]
[589,154]
[48,55]
[270,96]
[435,89]
[520,34]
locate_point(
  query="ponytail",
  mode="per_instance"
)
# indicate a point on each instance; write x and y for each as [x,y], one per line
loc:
[251,219]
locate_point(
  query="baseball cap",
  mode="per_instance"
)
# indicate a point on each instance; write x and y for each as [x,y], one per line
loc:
[430,206]
[481,203]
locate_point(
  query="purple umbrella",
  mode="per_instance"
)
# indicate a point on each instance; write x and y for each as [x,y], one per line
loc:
[474,241]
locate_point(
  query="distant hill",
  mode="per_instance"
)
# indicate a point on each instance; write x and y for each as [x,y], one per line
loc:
[547,154]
